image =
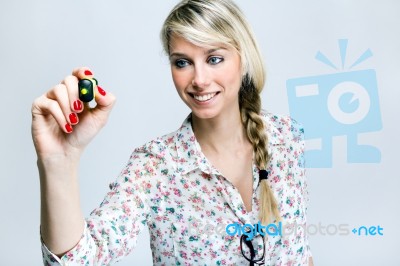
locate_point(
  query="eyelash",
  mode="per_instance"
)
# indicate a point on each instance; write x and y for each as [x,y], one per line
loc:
[179,61]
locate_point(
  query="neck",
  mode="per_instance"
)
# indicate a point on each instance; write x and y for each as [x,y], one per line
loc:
[224,133]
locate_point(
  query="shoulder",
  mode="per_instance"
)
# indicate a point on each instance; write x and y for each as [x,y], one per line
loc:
[286,131]
[150,159]
[167,146]
[159,147]
[284,126]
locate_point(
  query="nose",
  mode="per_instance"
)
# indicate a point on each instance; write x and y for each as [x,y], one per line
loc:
[201,79]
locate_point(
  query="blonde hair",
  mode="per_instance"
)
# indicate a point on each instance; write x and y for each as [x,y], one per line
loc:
[209,22]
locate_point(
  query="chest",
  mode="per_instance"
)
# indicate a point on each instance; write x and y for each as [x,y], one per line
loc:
[190,214]
[236,169]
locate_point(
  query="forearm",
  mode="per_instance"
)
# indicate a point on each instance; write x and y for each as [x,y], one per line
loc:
[61,216]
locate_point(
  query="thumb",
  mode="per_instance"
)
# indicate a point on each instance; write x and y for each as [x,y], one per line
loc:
[105,100]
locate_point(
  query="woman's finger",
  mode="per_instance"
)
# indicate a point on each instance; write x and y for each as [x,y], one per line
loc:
[71,83]
[60,94]
[105,100]
[82,73]
[45,106]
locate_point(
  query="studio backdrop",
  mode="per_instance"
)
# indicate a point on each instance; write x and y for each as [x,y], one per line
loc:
[333,65]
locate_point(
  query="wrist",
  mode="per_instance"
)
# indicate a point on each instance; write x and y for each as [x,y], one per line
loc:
[58,165]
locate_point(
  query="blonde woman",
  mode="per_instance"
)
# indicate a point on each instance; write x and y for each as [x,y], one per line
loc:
[229,164]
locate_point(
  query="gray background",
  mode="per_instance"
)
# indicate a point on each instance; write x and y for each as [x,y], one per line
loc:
[42,41]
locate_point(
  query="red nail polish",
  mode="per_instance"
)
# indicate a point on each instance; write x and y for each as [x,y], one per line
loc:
[73,118]
[68,128]
[88,73]
[77,105]
[101,91]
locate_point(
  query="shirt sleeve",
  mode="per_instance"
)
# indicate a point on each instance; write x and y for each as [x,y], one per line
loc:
[112,229]
[306,202]
[298,136]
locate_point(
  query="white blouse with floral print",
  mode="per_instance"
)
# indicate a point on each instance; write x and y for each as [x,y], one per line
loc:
[170,186]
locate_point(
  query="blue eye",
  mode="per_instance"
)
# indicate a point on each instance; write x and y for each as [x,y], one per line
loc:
[215,60]
[181,63]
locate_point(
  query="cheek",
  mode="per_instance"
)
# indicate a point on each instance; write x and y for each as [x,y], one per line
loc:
[232,74]
[180,80]
[234,80]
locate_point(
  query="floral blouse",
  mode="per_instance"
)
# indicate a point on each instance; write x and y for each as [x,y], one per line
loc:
[170,186]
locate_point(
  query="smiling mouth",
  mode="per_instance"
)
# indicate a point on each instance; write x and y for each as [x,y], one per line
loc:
[203,98]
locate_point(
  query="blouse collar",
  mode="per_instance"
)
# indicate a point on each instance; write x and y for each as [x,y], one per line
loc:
[189,152]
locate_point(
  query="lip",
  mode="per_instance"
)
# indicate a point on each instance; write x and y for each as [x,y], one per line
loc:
[202,94]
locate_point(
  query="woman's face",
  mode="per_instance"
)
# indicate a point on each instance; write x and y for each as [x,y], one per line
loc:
[207,79]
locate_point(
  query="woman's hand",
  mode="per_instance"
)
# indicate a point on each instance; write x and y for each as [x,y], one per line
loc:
[61,124]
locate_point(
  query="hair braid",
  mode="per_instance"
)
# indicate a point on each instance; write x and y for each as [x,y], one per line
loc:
[250,109]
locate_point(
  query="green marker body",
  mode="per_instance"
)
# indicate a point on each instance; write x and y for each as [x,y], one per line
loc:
[86,90]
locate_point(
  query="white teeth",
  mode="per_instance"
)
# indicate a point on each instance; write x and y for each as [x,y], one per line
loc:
[204,98]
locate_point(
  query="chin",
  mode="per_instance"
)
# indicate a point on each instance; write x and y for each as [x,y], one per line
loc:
[204,114]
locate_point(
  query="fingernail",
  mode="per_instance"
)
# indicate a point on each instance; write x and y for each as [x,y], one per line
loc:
[77,105]
[101,91]
[88,73]
[68,128]
[73,118]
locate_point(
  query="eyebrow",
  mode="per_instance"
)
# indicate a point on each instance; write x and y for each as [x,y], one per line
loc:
[210,51]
